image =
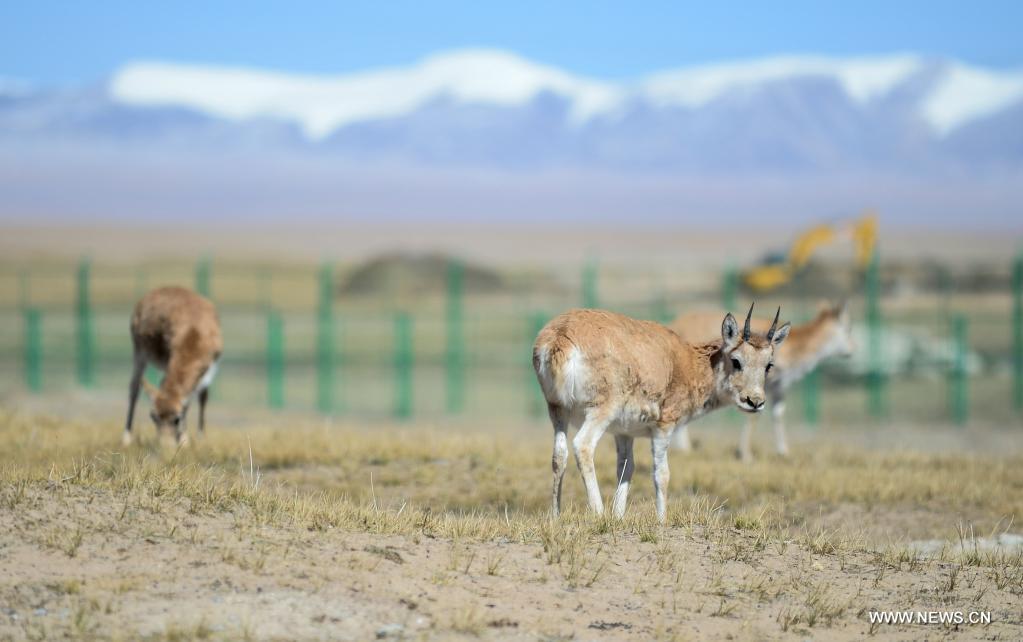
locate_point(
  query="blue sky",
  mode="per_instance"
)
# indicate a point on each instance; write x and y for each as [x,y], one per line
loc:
[76,42]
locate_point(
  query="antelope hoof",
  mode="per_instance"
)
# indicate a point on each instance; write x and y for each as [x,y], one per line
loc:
[126,439]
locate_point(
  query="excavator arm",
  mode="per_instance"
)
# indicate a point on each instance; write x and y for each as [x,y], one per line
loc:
[862,233]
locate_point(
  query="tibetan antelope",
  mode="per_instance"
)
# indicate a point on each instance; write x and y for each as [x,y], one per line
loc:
[602,371]
[177,331]
[829,334]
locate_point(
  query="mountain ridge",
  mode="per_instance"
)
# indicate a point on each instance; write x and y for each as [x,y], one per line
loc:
[496,135]
[322,104]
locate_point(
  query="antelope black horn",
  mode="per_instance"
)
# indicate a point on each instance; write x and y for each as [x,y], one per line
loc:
[774,326]
[745,327]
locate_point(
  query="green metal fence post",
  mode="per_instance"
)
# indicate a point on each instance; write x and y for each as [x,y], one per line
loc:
[876,376]
[274,359]
[537,403]
[325,341]
[454,354]
[84,327]
[811,398]
[729,288]
[959,393]
[403,365]
[1017,331]
[589,286]
[33,349]
[202,276]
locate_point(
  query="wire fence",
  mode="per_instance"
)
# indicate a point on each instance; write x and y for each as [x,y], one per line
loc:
[292,342]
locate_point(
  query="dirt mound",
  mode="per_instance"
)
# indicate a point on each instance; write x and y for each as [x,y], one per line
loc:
[401,273]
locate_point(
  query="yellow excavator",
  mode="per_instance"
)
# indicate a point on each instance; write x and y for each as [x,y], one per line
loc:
[861,232]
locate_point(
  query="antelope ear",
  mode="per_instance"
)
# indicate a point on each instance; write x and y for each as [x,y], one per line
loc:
[780,334]
[729,332]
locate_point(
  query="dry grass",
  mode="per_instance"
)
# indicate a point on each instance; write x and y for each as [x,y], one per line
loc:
[471,484]
[739,541]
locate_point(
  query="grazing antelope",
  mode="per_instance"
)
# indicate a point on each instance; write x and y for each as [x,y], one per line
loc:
[828,334]
[603,371]
[177,331]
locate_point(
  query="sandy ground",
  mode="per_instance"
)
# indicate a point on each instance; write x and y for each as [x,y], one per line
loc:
[87,563]
[100,558]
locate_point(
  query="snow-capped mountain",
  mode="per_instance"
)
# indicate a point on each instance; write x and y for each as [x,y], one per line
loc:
[929,131]
[957,95]
[497,109]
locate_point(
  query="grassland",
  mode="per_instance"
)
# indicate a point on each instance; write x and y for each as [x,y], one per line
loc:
[289,527]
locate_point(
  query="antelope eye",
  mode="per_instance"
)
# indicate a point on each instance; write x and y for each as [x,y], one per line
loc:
[735,364]
[769,366]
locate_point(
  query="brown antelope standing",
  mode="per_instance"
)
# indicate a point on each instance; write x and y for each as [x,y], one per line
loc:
[177,331]
[828,334]
[602,371]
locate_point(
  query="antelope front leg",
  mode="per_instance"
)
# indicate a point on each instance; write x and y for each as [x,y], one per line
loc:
[585,444]
[204,394]
[626,464]
[181,429]
[659,444]
[138,370]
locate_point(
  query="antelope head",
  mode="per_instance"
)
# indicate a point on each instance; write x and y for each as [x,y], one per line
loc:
[167,412]
[836,324]
[748,359]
